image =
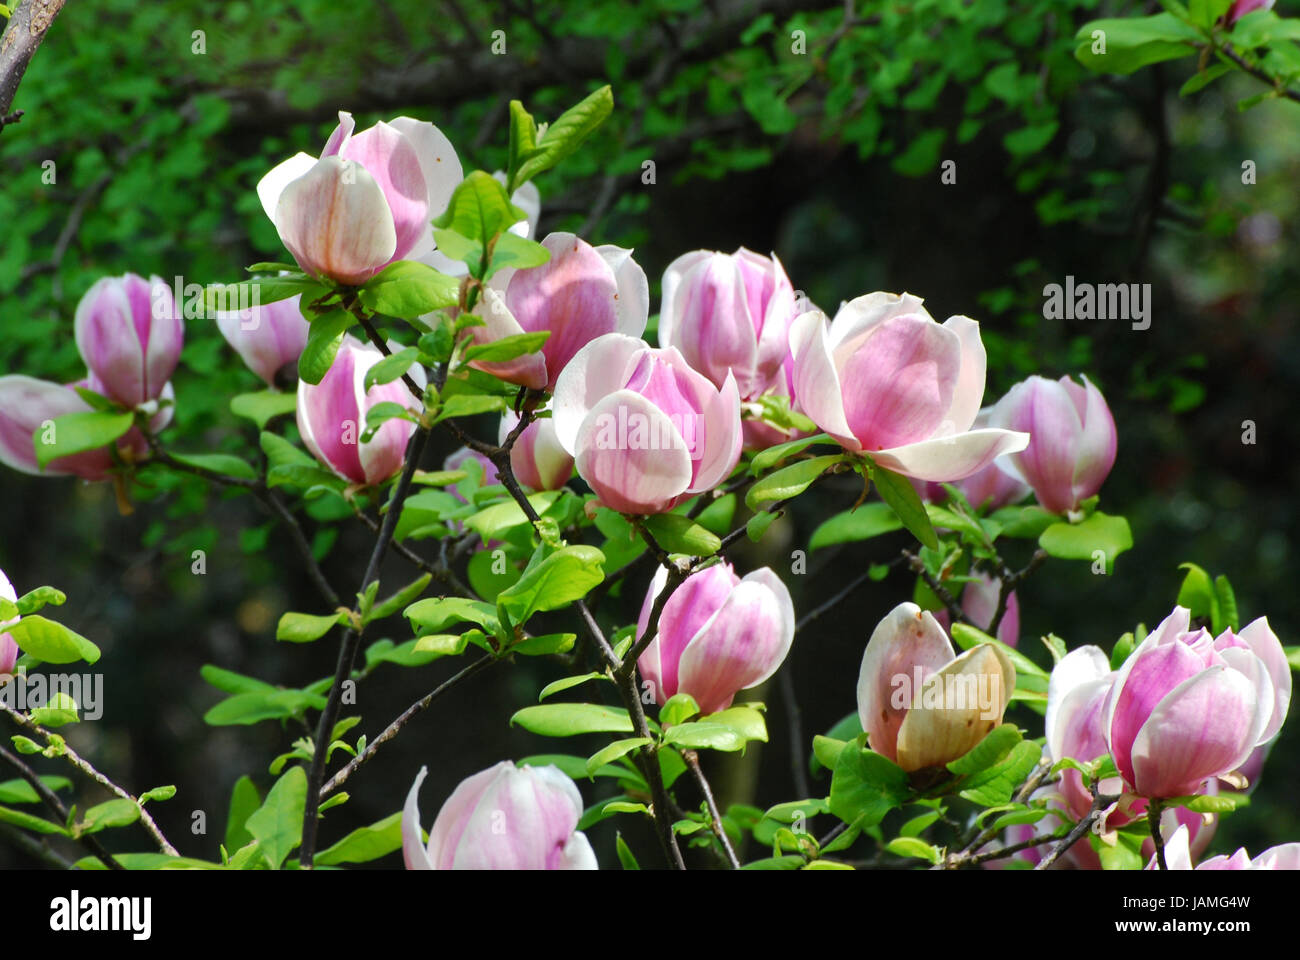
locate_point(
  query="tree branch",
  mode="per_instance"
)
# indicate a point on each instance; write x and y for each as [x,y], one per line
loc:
[23,35]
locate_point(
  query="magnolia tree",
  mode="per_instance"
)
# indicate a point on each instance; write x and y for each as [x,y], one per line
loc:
[419,300]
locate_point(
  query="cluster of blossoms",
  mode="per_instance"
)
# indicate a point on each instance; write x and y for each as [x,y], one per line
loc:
[647,428]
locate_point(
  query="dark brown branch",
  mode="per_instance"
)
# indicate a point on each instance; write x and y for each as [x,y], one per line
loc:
[715,818]
[23,35]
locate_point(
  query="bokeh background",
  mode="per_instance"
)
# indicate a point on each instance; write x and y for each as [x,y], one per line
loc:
[829,157]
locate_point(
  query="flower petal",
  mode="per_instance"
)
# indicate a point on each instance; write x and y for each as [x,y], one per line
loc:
[632,455]
[336,222]
[942,459]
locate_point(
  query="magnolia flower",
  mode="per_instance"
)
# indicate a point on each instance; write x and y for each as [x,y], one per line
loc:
[8,648]
[647,432]
[920,704]
[369,199]
[729,314]
[503,818]
[1187,706]
[1179,854]
[267,338]
[979,602]
[887,380]
[1072,439]
[1074,724]
[579,294]
[718,634]
[129,332]
[28,411]
[536,459]
[332,417]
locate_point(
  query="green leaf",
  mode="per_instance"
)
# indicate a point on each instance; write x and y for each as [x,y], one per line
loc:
[1134,42]
[244,801]
[998,783]
[61,710]
[399,601]
[435,614]
[1081,541]
[826,750]
[523,140]
[20,791]
[492,522]
[565,683]
[914,847]
[105,816]
[264,406]
[704,734]
[1229,618]
[1225,802]
[790,481]
[469,405]
[746,722]
[1123,647]
[865,786]
[570,719]
[28,822]
[625,856]
[324,338]
[966,636]
[678,709]
[408,289]
[774,455]
[1030,139]
[77,433]
[306,627]
[258,291]
[391,367]
[1023,523]
[277,825]
[558,580]
[566,134]
[507,348]
[365,843]
[218,463]
[478,211]
[991,750]
[517,253]
[757,525]
[1197,594]
[246,708]
[679,534]
[232,682]
[158,794]
[38,599]
[547,645]
[51,642]
[613,751]
[1199,81]
[902,498]
[867,521]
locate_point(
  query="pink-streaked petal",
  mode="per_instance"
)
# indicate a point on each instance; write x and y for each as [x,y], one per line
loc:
[632,455]
[816,381]
[441,169]
[280,176]
[336,222]
[597,370]
[454,818]
[329,418]
[690,608]
[1285,856]
[968,393]
[339,138]
[1079,667]
[672,293]
[857,319]
[740,646]
[632,301]
[951,458]
[390,157]
[898,383]
[1200,729]
[1044,409]
[1264,643]
[414,853]
[1156,671]
[906,639]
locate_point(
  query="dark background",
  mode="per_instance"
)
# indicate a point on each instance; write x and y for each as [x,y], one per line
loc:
[829,158]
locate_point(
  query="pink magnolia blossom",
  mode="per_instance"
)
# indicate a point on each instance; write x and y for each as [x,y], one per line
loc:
[1179,855]
[537,459]
[1072,439]
[332,417]
[267,338]
[718,634]
[885,379]
[921,704]
[129,332]
[8,648]
[1187,706]
[369,199]
[581,293]
[502,818]
[646,430]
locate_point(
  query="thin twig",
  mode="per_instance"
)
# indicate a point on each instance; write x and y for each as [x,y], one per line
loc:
[715,818]
[394,728]
[51,800]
